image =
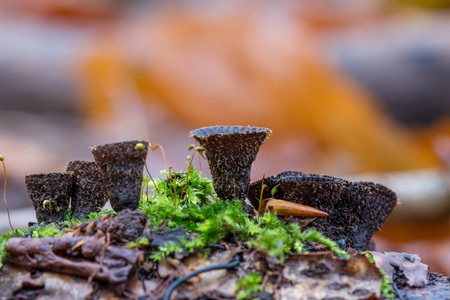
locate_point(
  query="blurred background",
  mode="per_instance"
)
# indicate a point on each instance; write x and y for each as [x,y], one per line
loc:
[358,89]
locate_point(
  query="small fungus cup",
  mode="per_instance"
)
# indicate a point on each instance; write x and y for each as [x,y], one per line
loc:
[88,193]
[230,151]
[50,194]
[122,166]
[356,209]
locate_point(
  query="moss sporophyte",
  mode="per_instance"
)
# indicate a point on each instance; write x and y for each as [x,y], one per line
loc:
[2,159]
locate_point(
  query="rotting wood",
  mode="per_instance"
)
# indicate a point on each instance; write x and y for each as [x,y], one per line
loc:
[79,256]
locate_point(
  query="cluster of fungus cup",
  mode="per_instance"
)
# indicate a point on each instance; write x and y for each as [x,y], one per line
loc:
[230,152]
[50,194]
[356,209]
[88,193]
[122,166]
[352,211]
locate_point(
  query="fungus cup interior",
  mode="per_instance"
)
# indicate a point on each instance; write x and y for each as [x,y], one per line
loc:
[206,132]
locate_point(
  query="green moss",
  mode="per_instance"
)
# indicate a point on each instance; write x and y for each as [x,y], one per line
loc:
[210,220]
[248,285]
[3,240]
[199,190]
[386,286]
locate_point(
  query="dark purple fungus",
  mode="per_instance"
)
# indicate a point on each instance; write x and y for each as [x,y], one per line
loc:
[122,166]
[88,193]
[230,151]
[50,195]
[356,209]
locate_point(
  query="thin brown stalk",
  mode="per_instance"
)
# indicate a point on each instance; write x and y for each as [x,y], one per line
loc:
[188,166]
[187,177]
[199,162]
[163,154]
[188,158]
[174,192]
[260,208]
[150,175]
[4,193]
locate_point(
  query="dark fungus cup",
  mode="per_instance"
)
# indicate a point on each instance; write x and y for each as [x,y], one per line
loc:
[318,191]
[356,209]
[122,166]
[230,151]
[54,187]
[379,204]
[88,193]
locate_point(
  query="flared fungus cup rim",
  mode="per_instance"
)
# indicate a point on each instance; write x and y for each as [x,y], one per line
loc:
[115,144]
[84,168]
[44,175]
[79,163]
[216,131]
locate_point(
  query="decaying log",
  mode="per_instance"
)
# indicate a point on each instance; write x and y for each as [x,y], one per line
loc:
[319,276]
[81,256]
[411,277]
[316,275]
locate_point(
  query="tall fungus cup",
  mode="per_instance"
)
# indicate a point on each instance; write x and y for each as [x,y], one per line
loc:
[122,166]
[230,151]
[88,194]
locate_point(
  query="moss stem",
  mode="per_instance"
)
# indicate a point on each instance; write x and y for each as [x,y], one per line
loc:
[199,151]
[150,175]
[260,208]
